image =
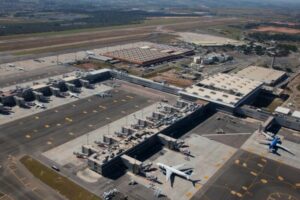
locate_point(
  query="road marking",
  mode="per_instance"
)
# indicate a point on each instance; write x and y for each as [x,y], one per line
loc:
[233,192]
[244,164]
[264,181]
[123,100]
[103,107]
[244,188]
[107,118]
[58,124]
[264,160]
[198,186]
[206,177]
[84,112]
[47,126]
[129,97]
[115,101]
[28,136]
[49,142]
[71,133]
[95,111]
[253,173]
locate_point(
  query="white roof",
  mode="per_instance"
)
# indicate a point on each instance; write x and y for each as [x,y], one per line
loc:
[223,89]
[266,75]
[296,114]
[282,110]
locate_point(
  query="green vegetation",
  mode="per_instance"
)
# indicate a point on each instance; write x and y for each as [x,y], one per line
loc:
[275,36]
[231,31]
[60,183]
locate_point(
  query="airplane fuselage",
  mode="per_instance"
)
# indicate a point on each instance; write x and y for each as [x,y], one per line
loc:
[173,170]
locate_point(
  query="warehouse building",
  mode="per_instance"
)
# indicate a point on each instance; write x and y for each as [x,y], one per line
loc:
[268,76]
[147,54]
[223,89]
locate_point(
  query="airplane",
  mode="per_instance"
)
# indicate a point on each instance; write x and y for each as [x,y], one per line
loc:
[170,170]
[274,143]
[74,95]
[40,105]
[103,94]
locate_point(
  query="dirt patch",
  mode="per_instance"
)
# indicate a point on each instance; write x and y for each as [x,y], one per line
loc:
[172,77]
[293,90]
[275,29]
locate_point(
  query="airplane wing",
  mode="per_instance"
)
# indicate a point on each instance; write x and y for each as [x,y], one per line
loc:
[284,148]
[168,174]
[178,166]
[265,142]
[269,137]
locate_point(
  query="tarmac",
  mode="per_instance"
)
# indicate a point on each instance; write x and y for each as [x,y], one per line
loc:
[43,131]
[249,176]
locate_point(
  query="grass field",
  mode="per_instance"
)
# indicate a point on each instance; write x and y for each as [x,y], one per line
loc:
[59,183]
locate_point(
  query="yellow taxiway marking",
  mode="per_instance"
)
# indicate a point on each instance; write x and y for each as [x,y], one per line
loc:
[68,119]
[36,117]
[253,173]
[47,126]
[264,181]
[206,177]
[239,194]
[198,186]
[244,188]
[260,165]
[189,194]
[28,136]
[237,162]
[280,178]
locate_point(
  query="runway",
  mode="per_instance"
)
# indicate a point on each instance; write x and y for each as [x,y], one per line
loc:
[27,76]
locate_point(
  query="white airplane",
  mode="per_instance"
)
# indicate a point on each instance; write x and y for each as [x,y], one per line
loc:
[103,94]
[40,105]
[170,170]
[74,95]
